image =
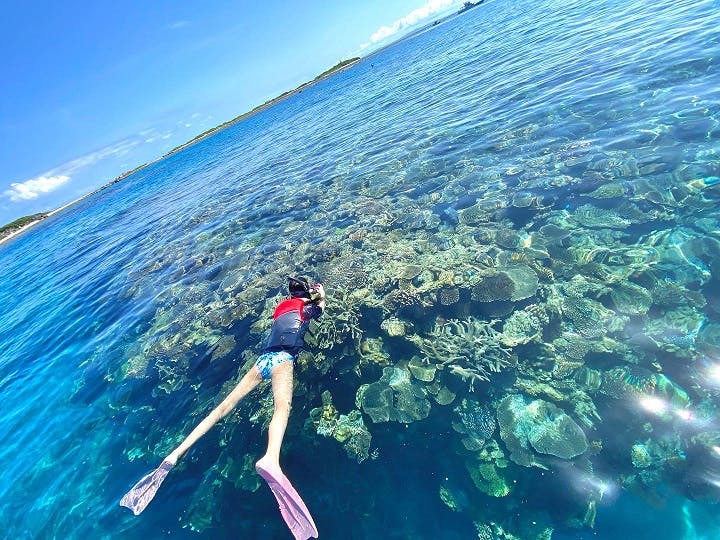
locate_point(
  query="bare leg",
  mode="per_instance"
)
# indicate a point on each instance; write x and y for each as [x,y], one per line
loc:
[282,387]
[249,381]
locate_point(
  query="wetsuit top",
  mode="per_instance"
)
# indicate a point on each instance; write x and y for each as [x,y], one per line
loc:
[290,322]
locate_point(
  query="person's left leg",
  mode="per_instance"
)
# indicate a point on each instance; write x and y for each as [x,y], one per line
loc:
[282,387]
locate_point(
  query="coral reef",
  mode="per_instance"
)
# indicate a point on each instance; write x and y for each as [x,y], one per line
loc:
[476,422]
[521,327]
[590,318]
[347,429]
[494,287]
[538,427]
[421,369]
[394,327]
[338,325]
[487,478]
[471,349]
[525,282]
[373,351]
[630,298]
[395,397]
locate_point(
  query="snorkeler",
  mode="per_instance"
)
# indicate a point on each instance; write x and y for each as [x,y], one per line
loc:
[290,322]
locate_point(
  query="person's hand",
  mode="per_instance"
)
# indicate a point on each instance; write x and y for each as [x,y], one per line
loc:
[319,289]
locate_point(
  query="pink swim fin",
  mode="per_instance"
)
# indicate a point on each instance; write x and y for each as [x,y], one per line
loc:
[143,492]
[293,509]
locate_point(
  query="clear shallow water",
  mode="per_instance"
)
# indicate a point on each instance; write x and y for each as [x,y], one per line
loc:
[570,146]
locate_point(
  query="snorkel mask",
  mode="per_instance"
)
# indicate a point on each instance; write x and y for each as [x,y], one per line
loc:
[298,287]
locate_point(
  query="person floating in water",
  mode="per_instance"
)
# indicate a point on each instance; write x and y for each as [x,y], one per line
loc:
[290,322]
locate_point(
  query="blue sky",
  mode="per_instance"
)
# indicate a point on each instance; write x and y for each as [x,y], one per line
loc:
[92,89]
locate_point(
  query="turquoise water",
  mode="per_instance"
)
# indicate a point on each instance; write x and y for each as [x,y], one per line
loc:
[525,193]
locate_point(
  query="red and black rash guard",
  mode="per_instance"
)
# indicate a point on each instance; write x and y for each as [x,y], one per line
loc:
[290,322]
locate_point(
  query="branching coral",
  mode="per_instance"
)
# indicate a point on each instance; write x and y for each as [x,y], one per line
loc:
[469,348]
[340,322]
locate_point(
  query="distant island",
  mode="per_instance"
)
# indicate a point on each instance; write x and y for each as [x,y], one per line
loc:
[470,5]
[11,229]
[337,67]
[24,223]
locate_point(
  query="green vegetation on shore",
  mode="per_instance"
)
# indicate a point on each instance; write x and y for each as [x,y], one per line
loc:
[336,67]
[7,230]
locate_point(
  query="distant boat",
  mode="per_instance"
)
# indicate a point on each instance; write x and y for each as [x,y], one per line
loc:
[470,5]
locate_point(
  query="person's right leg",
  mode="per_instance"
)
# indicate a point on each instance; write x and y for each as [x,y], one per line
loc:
[282,387]
[249,381]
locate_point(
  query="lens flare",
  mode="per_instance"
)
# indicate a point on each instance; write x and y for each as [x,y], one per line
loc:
[600,488]
[713,373]
[653,404]
[606,489]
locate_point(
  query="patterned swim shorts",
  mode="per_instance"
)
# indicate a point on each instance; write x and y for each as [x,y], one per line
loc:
[266,362]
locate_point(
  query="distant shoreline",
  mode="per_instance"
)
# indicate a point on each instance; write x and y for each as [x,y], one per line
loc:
[43,217]
[340,66]
[20,230]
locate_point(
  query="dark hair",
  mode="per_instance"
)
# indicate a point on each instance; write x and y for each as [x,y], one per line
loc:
[298,287]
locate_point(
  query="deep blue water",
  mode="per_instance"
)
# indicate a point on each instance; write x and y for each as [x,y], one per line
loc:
[574,144]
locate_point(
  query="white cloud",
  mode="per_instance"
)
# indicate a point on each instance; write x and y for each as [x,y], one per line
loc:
[117,149]
[176,25]
[53,179]
[31,189]
[430,8]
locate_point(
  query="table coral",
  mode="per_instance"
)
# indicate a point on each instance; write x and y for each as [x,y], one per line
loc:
[538,426]
[494,287]
[476,421]
[394,397]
